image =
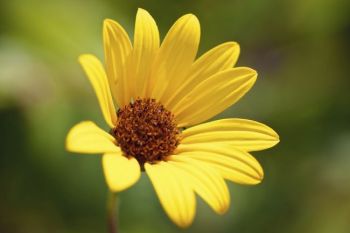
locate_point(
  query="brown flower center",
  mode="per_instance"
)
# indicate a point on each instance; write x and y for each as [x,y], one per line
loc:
[146,131]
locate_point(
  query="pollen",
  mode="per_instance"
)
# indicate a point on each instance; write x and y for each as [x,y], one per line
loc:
[146,131]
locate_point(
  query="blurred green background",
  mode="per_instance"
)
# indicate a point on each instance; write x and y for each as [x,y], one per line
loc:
[300,49]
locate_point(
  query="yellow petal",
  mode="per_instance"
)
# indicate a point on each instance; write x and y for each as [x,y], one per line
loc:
[214,95]
[174,192]
[117,47]
[86,137]
[175,56]
[97,77]
[220,58]
[232,164]
[146,43]
[243,134]
[120,172]
[205,181]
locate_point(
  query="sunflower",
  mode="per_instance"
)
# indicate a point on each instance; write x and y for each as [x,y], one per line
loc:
[164,95]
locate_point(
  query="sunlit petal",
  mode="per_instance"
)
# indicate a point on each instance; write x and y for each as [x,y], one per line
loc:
[86,137]
[214,95]
[175,56]
[244,134]
[205,181]
[174,192]
[117,48]
[97,77]
[220,58]
[146,43]
[120,172]
[231,163]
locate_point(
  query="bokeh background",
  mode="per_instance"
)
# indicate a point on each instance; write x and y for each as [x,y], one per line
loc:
[300,49]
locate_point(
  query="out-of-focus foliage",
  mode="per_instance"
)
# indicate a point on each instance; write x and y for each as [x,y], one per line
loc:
[300,49]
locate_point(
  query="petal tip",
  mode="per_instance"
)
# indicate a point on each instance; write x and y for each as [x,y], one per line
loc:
[191,18]
[253,72]
[253,76]
[259,172]
[184,223]
[247,72]
[233,45]
[107,21]
[274,135]
[277,137]
[69,141]
[223,210]
[110,25]
[141,11]
[106,24]
[261,176]
[83,57]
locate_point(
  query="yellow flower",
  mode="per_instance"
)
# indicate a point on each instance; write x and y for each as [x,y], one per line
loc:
[162,91]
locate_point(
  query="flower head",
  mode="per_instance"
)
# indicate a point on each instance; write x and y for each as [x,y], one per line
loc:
[162,92]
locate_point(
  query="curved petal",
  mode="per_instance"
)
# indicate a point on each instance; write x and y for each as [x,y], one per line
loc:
[243,134]
[146,44]
[86,137]
[174,192]
[232,164]
[205,181]
[214,95]
[117,47]
[175,56]
[219,58]
[120,172]
[97,77]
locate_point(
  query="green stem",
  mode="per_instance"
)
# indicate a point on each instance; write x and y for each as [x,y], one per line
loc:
[112,213]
